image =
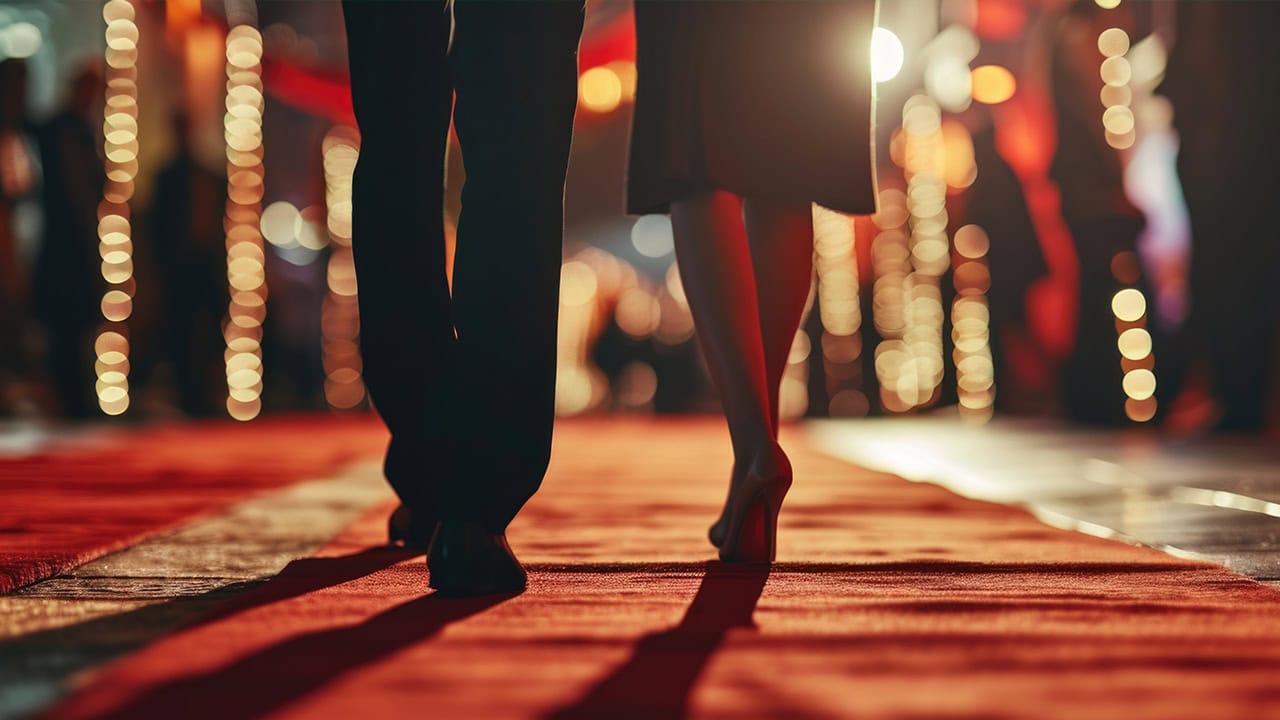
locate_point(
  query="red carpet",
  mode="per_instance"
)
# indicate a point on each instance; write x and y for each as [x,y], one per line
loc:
[890,600]
[68,506]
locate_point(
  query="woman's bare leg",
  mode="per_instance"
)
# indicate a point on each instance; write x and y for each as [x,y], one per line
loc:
[720,283]
[781,239]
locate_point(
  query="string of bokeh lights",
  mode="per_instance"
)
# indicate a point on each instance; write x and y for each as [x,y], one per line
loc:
[1129,304]
[911,251]
[246,270]
[916,379]
[971,324]
[1117,117]
[340,318]
[115,242]
[839,311]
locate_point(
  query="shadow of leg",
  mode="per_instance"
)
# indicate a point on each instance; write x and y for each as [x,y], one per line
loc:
[658,679]
[270,679]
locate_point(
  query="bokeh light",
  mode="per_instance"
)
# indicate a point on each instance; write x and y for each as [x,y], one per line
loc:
[600,89]
[886,55]
[651,236]
[1113,42]
[839,310]
[245,223]
[120,151]
[1129,305]
[344,387]
[1134,344]
[22,39]
[993,84]
[1140,384]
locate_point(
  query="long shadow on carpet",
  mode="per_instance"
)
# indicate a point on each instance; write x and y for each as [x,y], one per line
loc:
[271,678]
[659,677]
[45,659]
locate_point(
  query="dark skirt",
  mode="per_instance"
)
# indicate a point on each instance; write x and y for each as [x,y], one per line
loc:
[763,98]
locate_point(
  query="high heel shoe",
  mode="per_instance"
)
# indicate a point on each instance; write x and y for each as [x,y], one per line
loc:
[717,531]
[751,514]
[718,528]
[756,536]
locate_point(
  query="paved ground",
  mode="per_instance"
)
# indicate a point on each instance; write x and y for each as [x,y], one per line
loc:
[1207,497]
[120,602]
[890,599]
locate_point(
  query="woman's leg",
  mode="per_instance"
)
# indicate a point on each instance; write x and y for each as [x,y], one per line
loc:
[781,239]
[720,282]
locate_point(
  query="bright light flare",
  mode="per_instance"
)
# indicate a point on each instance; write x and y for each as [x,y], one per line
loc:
[887,55]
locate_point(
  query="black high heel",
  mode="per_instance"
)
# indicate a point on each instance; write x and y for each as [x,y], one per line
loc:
[753,538]
[716,533]
[751,515]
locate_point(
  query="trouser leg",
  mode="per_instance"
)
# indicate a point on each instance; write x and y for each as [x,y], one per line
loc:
[515,73]
[402,94]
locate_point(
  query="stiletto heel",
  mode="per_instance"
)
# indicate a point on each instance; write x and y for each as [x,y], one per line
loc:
[747,530]
[756,538]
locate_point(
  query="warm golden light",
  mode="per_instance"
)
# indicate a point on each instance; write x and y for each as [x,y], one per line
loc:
[115,244]
[1113,42]
[1115,71]
[339,317]
[1139,384]
[971,242]
[244,222]
[1134,344]
[1118,120]
[577,283]
[600,89]
[639,313]
[626,72]
[886,55]
[992,84]
[909,261]
[1140,410]
[1129,305]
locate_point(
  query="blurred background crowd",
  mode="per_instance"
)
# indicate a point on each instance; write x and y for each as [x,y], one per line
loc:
[1077,218]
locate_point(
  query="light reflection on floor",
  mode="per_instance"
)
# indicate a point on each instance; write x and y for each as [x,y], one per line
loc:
[1209,498]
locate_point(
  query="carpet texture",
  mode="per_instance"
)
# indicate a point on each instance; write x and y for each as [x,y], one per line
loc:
[889,600]
[67,506]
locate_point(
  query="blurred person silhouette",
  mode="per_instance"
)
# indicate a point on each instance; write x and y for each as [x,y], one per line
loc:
[68,286]
[188,250]
[18,184]
[746,113]
[1103,222]
[996,203]
[1223,79]
[465,380]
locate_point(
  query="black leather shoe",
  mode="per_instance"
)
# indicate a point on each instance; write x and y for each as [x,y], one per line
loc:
[409,529]
[467,559]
